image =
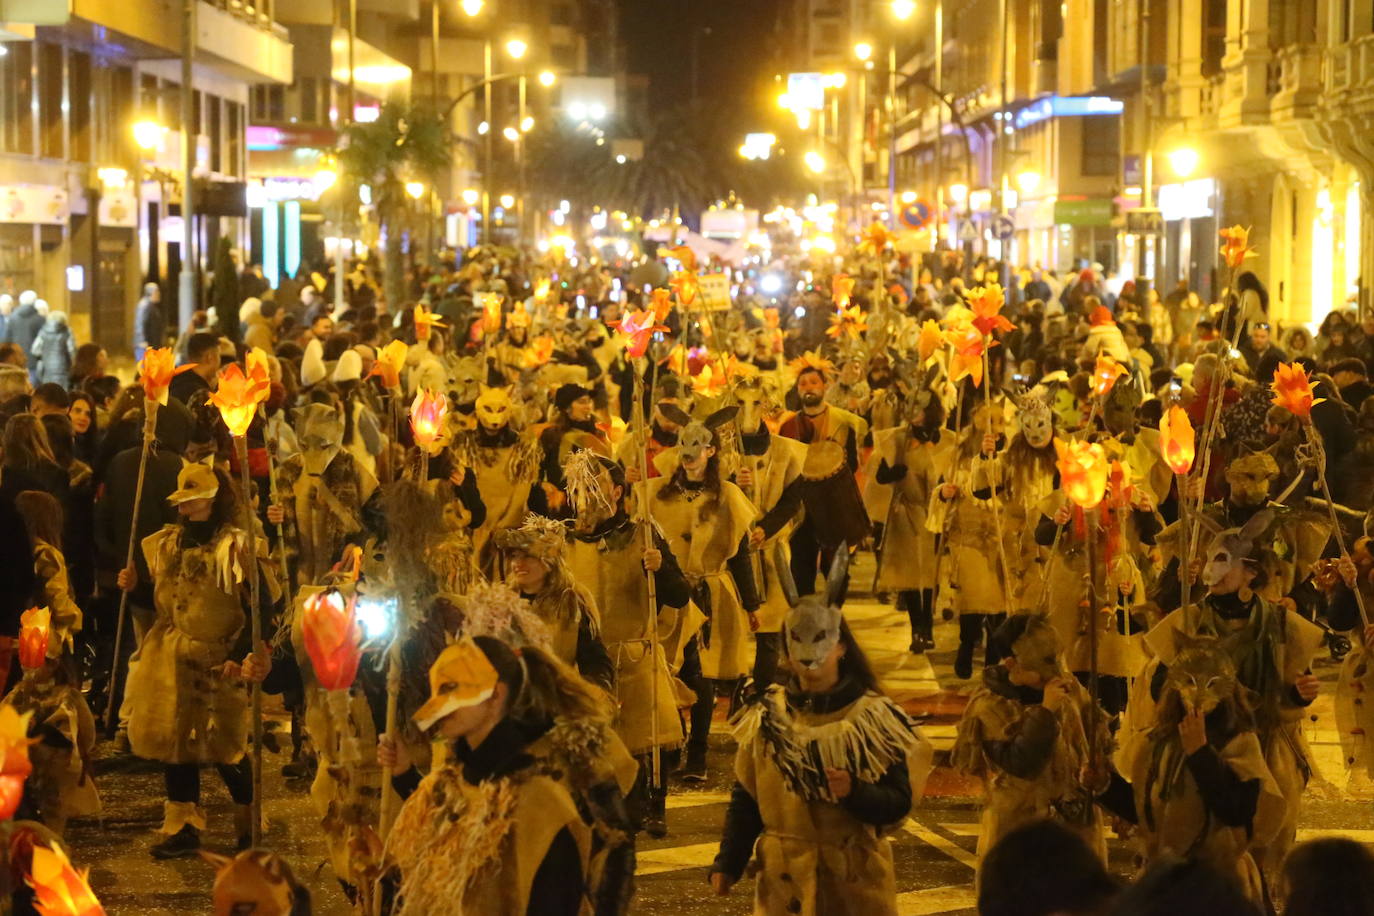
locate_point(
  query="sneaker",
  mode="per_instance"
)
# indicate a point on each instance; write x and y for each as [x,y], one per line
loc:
[185,842]
[694,769]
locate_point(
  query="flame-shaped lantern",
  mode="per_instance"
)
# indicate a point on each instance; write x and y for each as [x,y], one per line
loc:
[713,380]
[333,639]
[661,302]
[1082,471]
[1176,440]
[156,370]
[58,888]
[685,285]
[1237,248]
[390,360]
[841,287]
[427,413]
[35,630]
[640,328]
[969,344]
[930,340]
[1105,374]
[426,321]
[1293,391]
[875,239]
[684,256]
[237,398]
[14,758]
[541,290]
[986,303]
[259,372]
[491,312]
[848,322]
[538,352]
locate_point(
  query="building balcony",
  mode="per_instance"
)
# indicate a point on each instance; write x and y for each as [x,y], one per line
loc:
[1294,82]
[1350,69]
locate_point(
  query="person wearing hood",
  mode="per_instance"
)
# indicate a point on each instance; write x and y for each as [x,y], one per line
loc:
[53,351]
[25,321]
[259,321]
[1103,336]
[150,321]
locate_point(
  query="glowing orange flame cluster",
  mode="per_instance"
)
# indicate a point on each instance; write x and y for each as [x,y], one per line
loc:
[237,397]
[390,360]
[427,413]
[1082,471]
[35,630]
[1293,391]
[1177,440]
[333,639]
[58,888]
[14,759]
[1105,374]
[986,303]
[1237,248]
[156,370]
[639,327]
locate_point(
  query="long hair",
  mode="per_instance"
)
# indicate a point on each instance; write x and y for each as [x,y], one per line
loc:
[540,687]
[854,664]
[26,443]
[224,510]
[677,483]
[42,515]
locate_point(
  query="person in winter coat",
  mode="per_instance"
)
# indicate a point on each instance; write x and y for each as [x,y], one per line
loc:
[150,321]
[53,351]
[25,321]
[1104,336]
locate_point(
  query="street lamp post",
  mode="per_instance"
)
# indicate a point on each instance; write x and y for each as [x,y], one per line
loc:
[186,285]
[487,151]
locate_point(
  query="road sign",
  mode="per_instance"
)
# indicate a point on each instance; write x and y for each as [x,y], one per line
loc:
[967,231]
[1004,227]
[1141,221]
[916,215]
[715,291]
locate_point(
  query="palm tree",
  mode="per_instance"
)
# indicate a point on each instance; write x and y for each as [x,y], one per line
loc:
[405,143]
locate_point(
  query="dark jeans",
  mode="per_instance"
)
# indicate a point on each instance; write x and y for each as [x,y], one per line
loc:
[767,655]
[183,781]
[920,610]
[809,557]
[972,627]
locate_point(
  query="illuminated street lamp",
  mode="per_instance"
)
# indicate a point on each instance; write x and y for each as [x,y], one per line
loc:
[483,128]
[324,179]
[903,9]
[473,7]
[148,134]
[958,193]
[1183,161]
[416,189]
[511,134]
[863,50]
[471,196]
[507,200]
[547,78]
[516,48]
[814,161]
[526,124]
[1028,182]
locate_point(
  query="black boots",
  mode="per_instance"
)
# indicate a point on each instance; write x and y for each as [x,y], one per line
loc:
[185,842]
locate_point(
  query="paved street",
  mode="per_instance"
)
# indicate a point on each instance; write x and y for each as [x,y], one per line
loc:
[933,850]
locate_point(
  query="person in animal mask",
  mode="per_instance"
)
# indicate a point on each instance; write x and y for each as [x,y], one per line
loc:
[505,466]
[1200,788]
[607,557]
[1271,649]
[672,395]
[1028,732]
[573,427]
[325,494]
[825,765]
[915,457]
[707,521]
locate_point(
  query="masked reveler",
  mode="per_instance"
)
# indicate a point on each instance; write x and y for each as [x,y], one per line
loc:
[669,391]
[511,825]
[325,492]
[1339,580]
[1033,479]
[834,508]
[573,427]
[1271,649]
[706,522]
[187,699]
[824,767]
[608,557]
[505,465]
[533,556]
[912,460]
[1029,731]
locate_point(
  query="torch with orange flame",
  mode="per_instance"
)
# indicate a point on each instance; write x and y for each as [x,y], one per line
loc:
[1082,471]
[333,639]
[427,413]
[390,360]
[1293,391]
[847,322]
[685,285]
[1105,374]
[156,370]
[259,372]
[640,328]
[14,758]
[683,255]
[35,630]
[539,352]
[237,398]
[1176,440]
[425,321]
[969,345]
[58,888]
[986,303]
[661,303]
[875,239]
[930,340]
[1237,248]
[841,287]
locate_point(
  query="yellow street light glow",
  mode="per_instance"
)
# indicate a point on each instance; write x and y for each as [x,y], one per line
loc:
[1028,182]
[470,197]
[507,200]
[547,78]
[516,48]
[112,176]
[784,101]
[526,124]
[908,197]
[958,193]
[324,179]
[814,161]
[1183,161]
[863,50]
[483,128]
[903,9]
[823,243]
[415,189]
[148,134]
[835,80]
[473,7]
[803,118]
[511,134]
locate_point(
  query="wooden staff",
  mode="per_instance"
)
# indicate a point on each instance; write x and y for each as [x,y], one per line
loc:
[282,568]
[255,621]
[1091,525]
[642,456]
[149,434]
[1314,440]
[993,497]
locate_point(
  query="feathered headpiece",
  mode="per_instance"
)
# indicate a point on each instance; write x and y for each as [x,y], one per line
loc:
[812,360]
[539,536]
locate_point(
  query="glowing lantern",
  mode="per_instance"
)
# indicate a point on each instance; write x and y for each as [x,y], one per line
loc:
[35,628]
[930,339]
[1176,440]
[427,413]
[539,352]
[1237,248]
[58,888]
[684,256]
[332,638]
[541,290]
[841,287]
[847,321]
[1293,391]
[155,372]
[14,759]
[987,302]
[259,372]
[491,311]
[389,363]
[712,381]
[425,320]
[237,398]
[875,239]
[969,345]
[639,327]
[662,304]
[684,283]
[1082,471]
[1105,374]
[771,319]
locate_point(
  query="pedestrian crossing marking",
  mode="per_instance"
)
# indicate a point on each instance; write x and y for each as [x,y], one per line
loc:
[967,830]
[934,900]
[696,800]
[675,858]
[948,847]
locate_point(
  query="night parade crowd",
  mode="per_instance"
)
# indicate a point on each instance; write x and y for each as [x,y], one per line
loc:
[496,557]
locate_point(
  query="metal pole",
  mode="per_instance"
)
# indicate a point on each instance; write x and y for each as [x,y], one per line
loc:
[1002,141]
[520,158]
[352,37]
[186,287]
[486,165]
[1147,178]
[434,50]
[255,626]
[939,120]
[892,134]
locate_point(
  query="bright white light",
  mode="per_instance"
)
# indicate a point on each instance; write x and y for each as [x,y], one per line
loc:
[620,159]
[596,111]
[958,193]
[799,311]
[908,197]
[1028,182]
[598,221]
[577,111]
[148,134]
[1183,161]
[547,78]
[376,616]
[507,200]
[483,128]
[814,161]
[565,206]
[903,9]
[527,124]
[770,283]
[511,134]
[473,7]
[863,50]
[365,194]
[516,48]
[471,197]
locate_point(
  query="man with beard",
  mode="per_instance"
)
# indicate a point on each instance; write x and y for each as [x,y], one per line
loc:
[608,558]
[573,427]
[505,464]
[834,510]
[914,458]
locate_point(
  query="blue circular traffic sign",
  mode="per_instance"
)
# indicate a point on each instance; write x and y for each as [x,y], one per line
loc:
[916,215]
